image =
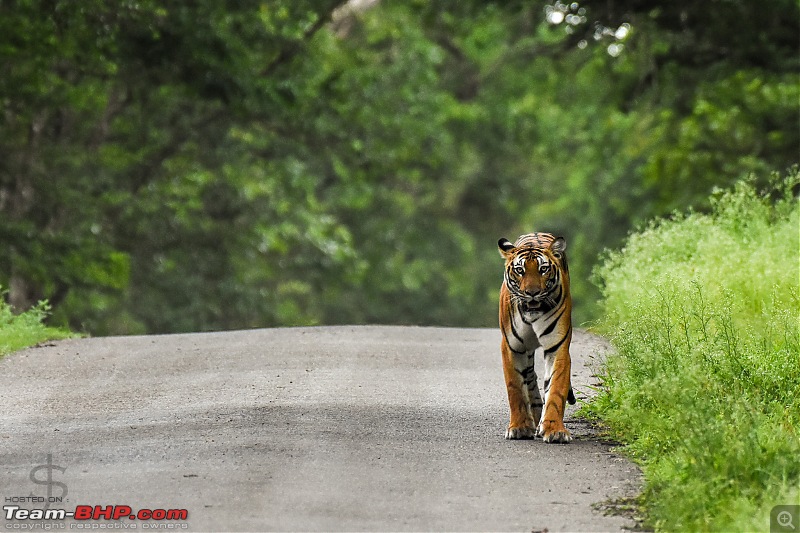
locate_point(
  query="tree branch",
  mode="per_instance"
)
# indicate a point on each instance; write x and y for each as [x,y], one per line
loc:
[285,55]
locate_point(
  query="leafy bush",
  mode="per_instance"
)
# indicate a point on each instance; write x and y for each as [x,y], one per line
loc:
[26,329]
[705,385]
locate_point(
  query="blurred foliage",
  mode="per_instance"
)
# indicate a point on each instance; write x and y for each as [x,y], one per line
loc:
[216,165]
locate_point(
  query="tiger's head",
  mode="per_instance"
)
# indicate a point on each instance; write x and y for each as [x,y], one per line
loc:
[536,270]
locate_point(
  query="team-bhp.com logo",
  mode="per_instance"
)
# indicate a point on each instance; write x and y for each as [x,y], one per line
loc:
[84,516]
[96,512]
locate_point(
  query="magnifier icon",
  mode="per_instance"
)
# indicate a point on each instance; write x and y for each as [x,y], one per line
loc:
[785,519]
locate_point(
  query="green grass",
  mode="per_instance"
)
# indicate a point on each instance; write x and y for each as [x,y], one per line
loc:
[704,388]
[26,329]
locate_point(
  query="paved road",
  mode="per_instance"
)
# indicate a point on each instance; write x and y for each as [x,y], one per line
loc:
[332,428]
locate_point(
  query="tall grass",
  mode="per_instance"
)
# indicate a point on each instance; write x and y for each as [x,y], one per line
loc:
[704,389]
[25,329]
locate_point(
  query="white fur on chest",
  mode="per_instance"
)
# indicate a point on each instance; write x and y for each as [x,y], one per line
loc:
[525,339]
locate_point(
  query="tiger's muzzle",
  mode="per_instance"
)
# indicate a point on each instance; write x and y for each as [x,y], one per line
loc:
[537,302]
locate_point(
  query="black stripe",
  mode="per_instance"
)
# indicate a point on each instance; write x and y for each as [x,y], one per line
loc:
[508,344]
[511,323]
[552,325]
[526,374]
[559,306]
[546,385]
[558,345]
[560,288]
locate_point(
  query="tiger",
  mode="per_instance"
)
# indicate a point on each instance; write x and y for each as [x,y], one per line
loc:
[536,316]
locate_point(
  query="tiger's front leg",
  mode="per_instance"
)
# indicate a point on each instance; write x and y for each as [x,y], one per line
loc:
[533,388]
[556,391]
[515,367]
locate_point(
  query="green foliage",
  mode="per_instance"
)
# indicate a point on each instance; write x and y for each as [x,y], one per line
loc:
[703,311]
[19,331]
[221,165]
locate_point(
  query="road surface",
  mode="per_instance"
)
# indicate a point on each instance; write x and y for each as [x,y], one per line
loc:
[367,428]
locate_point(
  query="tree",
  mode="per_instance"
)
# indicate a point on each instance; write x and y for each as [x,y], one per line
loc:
[223,165]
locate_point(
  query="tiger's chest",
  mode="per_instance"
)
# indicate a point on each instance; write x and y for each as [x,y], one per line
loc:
[525,329]
[531,329]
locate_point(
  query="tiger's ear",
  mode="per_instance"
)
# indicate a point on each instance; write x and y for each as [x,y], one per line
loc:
[558,246]
[506,248]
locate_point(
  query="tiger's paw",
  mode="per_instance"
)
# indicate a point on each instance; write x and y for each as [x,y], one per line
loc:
[553,432]
[524,432]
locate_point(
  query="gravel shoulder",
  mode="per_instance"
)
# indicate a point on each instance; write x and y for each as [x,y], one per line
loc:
[367,428]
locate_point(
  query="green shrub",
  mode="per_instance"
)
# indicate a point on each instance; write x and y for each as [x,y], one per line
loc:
[704,387]
[25,329]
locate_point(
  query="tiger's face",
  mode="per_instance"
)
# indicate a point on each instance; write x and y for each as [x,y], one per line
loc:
[533,274]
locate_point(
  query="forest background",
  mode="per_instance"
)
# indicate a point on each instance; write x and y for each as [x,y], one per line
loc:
[213,165]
